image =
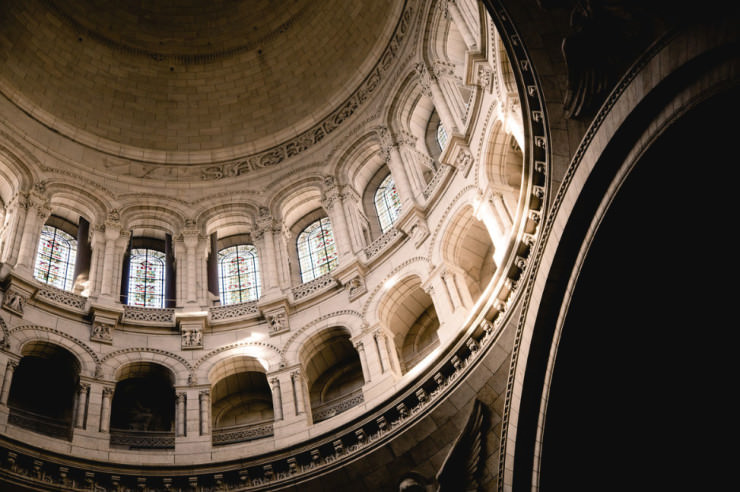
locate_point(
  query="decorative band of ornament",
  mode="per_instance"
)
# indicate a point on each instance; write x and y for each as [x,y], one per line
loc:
[337,406]
[382,242]
[62,297]
[436,179]
[153,315]
[302,142]
[142,439]
[242,433]
[316,285]
[217,313]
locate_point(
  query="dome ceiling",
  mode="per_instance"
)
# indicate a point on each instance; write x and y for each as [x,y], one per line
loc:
[202,76]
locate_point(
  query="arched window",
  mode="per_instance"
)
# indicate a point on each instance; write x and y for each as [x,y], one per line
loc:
[441,135]
[146,278]
[55,261]
[238,274]
[317,253]
[387,203]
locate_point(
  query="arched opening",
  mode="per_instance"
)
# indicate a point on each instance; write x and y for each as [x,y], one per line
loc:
[333,373]
[42,394]
[241,401]
[468,246]
[409,314]
[143,407]
[56,254]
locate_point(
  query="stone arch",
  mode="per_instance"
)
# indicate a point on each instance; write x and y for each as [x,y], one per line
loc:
[467,245]
[76,200]
[256,349]
[467,195]
[408,314]
[332,370]
[88,359]
[113,361]
[15,174]
[418,265]
[240,393]
[233,216]
[152,220]
[349,319]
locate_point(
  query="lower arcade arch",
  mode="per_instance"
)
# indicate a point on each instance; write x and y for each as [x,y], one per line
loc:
[334,377]
[43,392]
[411,318]
[143,407]
[241,401]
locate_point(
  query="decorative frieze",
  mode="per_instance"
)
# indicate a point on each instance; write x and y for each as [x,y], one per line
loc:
[382,242]
[233,311]
[61,297]
[148,315]
[315,286]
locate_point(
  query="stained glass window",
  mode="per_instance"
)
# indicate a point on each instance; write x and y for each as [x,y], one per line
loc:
[317,253]
[441,136]
[387,203]
[238,274]
[55,261]
[146,278]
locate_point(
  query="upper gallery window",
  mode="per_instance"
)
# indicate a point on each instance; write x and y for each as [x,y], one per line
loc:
[55,261]
[238,274]
[387,203]
[317,252]
[146,278]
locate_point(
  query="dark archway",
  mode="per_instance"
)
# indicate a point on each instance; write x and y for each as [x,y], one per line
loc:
[42,394]
[636,342]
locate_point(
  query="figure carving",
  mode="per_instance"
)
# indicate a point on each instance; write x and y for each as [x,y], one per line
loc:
[461,468]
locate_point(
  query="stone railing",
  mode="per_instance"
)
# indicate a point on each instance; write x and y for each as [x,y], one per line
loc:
[40,423]
[381,243]
[142,439]
[61,297]
[242,433]
[220,313]
[337,406]
[314,286]
[148,315]
[436,179]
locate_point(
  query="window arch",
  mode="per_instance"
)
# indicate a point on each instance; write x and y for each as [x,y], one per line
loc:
[238,274]
[317,252]
[147,269]
[387,203]
[55,259]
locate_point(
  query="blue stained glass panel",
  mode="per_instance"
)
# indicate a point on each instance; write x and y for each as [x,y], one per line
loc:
[387,203]
[146,278]
[317,252]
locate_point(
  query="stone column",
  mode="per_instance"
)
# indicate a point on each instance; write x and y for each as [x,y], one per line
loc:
[205,411]
[12,228]
[393,159]
[268,253]
[190,240]
[8,380]
[180,402]
[112,234]
[38,211]
[97,260]
[332,203]
[298,384]
[82,390]
[384,353]
[360,347]
[105,409]
[430,84]
[277,400]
